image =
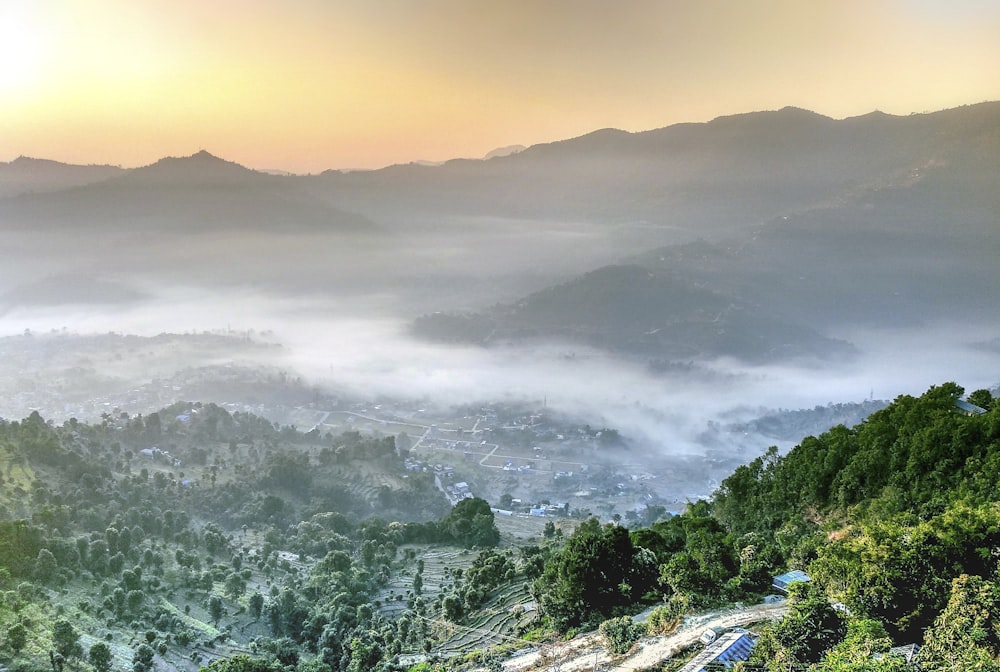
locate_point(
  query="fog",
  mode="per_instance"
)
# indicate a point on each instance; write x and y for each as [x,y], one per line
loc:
[339,347]
[796,245]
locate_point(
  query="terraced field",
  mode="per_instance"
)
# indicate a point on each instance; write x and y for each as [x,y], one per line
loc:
[436,559]
[493,624]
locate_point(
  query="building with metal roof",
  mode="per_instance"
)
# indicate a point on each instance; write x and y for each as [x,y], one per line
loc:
[783,581]
[727,650]
[969,409]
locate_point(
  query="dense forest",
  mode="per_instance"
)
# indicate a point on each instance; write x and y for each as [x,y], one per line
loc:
[196,538]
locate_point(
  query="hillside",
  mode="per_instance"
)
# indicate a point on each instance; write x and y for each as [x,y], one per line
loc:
[25,175]
[720,176]
[646,313]
[238,543]
[195,194]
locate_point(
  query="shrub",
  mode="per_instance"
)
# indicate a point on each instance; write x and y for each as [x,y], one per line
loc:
[620,634]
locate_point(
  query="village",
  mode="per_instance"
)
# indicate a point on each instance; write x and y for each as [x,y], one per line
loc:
[523,457]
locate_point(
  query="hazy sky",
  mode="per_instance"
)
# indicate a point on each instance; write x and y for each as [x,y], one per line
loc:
[306,85]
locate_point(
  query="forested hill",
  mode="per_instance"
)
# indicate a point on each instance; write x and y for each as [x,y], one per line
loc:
[248,547]
[896,521]
[917,456]
[898,518]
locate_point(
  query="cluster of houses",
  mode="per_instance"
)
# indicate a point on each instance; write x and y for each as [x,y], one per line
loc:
[457,492]
[444,471]
[158,455]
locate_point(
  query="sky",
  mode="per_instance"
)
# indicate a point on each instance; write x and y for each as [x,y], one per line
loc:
[308,85]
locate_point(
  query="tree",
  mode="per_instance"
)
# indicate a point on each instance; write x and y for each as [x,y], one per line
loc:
[966,634]
[589,578]
[100,657]
[365,654]
[471,523]
[66,640]
[864,649]
[256,604]
[234,585]
[17,637]
[810,628]
[243,663]
[981,398]
[452,605]
[134,600]
[46,567]
[142,660]
[215,609]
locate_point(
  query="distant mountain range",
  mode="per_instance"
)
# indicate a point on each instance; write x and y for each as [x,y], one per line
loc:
[180,195]
[783,227]
[711,178]
[24,175]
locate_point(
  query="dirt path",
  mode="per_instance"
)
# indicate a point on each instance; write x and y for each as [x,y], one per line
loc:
[587,652]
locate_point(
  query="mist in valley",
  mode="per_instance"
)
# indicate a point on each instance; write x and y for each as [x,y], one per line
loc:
[727,278]
[342,320]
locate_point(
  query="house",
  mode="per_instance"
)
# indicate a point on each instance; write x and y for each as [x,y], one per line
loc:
[908,652]
[725,651]
[965,408]
[783,581]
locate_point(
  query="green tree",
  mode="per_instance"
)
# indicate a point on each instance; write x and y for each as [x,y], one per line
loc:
[471,523]
[66,640]
[865,649]
[453,609]
[806,633]
[589,578]
[242,663]
[134,600]
[17,637]
[418,584]
[100,657]
[142,660]
[981,398]
[215,608]
[46,567]
[256,604]
[365,654]
[966,634]
[234,586]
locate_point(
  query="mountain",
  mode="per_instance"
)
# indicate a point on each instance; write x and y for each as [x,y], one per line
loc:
[70,288]
[799,225]
[807,223]
[713,178]
[631,309]
[504,151]
[201,168]
[187,194]
[26,175]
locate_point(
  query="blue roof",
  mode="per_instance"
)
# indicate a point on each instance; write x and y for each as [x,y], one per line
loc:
[969,408]
[788,578]
[728,649]
[737,651]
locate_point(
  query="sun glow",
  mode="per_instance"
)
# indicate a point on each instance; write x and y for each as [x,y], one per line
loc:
[23,45]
